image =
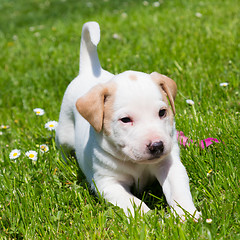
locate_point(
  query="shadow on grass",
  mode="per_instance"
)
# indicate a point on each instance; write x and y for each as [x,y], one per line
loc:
[152,194]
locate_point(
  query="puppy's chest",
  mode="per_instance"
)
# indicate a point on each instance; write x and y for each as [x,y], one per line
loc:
[141,179]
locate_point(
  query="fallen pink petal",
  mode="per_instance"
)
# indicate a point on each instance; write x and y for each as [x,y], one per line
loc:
[207,142]
[183,140]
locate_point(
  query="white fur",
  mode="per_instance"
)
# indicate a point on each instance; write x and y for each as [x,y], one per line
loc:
[114,162]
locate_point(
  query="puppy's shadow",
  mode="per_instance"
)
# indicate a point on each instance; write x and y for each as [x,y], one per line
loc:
[152,195]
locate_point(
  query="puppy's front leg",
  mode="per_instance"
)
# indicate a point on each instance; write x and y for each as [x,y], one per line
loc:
[175,184]
[119,194]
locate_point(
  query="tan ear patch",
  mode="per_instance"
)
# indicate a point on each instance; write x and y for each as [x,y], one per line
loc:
[109,109]
[169,108]
[167,85]
[92,105]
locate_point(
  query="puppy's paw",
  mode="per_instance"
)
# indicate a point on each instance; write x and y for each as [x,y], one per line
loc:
[196,216]
[184,214]
[133,209]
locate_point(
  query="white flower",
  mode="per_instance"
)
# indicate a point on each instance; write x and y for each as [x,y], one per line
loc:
[1,133]
[31,29]
[224,84]
[4,126]
[116,36]
[39,111]
[124,15]
[41,27]
[145,3]
[190,102]
[52,125]
[32,155]
[15,37]
[198,14]
[209,172]
[89,4]
[209,220]
[156,4]
[37,34]
[14,154]
[44,148]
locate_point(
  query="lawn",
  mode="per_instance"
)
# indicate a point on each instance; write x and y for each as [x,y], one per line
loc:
[196,43]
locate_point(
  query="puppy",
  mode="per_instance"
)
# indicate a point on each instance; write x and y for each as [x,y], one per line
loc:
[122,130]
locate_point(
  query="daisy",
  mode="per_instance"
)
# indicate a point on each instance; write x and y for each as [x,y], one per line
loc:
[5,127]
[209,172]
[37,34]
[198,14]
[124,15]
[32,155]
[51,125]
[39,111]
[145,3]
[224,84]
[15,37]
[44,148]
[116,36]
[31,29]
[14,154]
[209,220]
[156,4]
[89,4]
[190,102]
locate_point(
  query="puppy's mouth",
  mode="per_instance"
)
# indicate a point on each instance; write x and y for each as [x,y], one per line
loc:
[148,158]
[151,159]
[154,153]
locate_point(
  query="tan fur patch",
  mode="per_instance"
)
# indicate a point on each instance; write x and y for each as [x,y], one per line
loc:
[96,106]
[133,77]
[169,110]
[91,106]
[167,85]
[108,109]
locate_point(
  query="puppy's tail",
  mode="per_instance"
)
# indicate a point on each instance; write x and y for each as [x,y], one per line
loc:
[89,62]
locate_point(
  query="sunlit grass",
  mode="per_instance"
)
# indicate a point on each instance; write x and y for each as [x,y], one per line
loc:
[194,42]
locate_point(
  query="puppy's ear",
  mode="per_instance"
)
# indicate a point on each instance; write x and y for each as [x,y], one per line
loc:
[168,86]
[91,106]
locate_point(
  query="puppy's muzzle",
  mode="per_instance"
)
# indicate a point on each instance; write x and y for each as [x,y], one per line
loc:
[156,149]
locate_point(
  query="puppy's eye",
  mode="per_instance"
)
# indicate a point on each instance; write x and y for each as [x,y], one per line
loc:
[126,120]
[162,113]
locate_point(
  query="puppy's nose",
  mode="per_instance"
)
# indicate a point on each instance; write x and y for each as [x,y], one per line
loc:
[156,148]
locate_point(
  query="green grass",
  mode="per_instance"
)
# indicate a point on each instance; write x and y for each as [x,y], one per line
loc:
[39,42]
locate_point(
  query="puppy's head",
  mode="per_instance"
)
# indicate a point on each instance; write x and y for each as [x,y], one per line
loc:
[132,115]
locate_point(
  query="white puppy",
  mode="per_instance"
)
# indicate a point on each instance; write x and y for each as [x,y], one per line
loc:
[122,130]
